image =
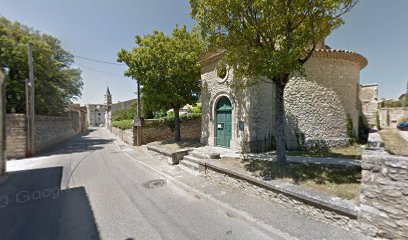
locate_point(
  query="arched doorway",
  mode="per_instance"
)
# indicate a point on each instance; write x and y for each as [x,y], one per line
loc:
[223,122]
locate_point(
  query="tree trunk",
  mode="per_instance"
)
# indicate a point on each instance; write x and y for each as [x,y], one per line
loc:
[177,123]
[280,122]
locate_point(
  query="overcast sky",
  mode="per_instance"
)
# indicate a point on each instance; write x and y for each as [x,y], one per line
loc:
[97,29]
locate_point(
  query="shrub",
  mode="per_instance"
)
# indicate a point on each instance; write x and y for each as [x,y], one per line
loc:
[377,119]
[196,109]
[350,128]
[169,118]
[123,124]
[125,114]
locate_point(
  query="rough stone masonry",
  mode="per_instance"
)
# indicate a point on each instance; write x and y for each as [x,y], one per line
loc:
[384,193]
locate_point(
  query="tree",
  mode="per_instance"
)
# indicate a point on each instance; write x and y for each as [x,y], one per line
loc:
[167,68]
[56,82]
[268,40]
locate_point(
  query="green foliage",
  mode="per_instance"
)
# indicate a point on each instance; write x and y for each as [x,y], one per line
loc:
[167,67]
[221,69]
[350,129]
[147,110]
[387,119]
[123,124]
[125,114]
[56,82]
[197,109]
[377,120]
[267,38]
[169,118]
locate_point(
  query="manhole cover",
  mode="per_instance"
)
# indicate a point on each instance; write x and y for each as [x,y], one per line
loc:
[154,183]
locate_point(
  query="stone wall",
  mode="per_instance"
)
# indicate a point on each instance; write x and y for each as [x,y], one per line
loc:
[125,135]
[318,103]
[123,105]
[369,103]
[16,135]
[384,193]
[49,131]
[157,130]
[253,107]
[389,117]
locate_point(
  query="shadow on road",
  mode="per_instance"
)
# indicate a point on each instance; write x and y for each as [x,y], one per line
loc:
[80,143]
[33,206]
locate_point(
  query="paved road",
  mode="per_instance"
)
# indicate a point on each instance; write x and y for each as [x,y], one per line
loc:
[105,193]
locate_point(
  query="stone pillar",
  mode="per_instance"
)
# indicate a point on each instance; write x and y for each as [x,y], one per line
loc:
[3,134]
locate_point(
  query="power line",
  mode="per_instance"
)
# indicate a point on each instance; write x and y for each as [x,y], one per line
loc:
[100,61]
[96,70]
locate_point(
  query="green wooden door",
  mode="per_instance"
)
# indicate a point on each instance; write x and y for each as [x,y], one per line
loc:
[224,119]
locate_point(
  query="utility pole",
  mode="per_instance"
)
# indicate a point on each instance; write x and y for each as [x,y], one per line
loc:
[3,134]
[30,93]
[138,120]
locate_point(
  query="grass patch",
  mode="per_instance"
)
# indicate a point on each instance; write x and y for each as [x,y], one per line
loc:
[352,152]
[173,145]
[340,181]
[393,142]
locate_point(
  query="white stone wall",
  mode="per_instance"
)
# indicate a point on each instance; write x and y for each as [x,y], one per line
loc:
[96,114]
[253,106]
[369,102]
[394,116]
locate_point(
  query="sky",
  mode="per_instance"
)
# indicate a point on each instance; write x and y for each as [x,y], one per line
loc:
[98,29]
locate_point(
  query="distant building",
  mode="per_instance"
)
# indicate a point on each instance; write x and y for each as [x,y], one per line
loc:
[96,114]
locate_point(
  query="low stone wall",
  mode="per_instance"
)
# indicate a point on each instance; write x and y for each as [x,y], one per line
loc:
[16,136]
[384,193]
[156,130]
[125,135]
[301,202]
[49,131]
[389,117]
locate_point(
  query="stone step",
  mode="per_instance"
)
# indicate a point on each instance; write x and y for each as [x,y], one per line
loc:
[189,166]
[193,159]
[204,155]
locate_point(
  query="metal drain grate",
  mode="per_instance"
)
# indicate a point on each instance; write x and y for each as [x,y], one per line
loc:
[154,183]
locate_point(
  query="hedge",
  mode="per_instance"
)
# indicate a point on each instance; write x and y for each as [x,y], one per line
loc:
[123,124]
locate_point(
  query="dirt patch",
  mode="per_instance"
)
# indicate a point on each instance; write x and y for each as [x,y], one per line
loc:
[173,145]
[340,181]
[394,143]
[351,152]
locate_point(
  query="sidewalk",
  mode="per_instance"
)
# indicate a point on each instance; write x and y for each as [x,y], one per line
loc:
[270,216]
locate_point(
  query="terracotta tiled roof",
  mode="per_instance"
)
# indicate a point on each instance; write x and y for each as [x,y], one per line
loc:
[348,55]
[327,53]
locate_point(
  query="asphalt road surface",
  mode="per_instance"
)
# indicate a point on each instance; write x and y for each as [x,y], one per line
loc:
[89,188]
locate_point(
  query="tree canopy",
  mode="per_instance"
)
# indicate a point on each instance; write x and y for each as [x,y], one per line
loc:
[268,40]
[56,82]
[167,68]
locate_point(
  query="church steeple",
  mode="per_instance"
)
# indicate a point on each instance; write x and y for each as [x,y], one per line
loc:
[108,97]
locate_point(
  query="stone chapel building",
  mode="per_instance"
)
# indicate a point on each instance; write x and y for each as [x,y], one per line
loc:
[318,105]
